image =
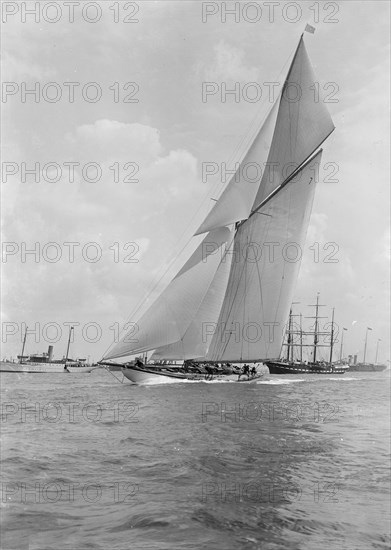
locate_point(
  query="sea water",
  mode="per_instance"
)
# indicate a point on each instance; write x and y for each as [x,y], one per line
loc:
[284,463]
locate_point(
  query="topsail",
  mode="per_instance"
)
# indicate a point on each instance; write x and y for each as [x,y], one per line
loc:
[296,126]
[231,299]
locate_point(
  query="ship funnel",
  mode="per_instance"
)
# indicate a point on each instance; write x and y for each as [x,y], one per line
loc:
[50,353]
[355,360]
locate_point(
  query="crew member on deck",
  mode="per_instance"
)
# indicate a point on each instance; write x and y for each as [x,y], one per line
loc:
[246,371]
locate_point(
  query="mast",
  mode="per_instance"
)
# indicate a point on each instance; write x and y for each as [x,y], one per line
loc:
[377,349]
[316,331]
[316,326]
[69,342]
[332,338]
[289,341]
[341,350]
[290,332]
[301,338]
[365,345]
[24,343]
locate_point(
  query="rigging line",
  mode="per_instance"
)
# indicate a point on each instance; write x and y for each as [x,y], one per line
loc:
[252,273]
[213,344]
[251,276]
[219,348]
[249,136]
[262,309]
[232,294]
[296,130]
[223,259]
[118,380]
[244,307]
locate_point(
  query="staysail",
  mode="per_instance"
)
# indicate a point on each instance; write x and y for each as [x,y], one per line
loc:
[196,340]
[230,303]
[169,318]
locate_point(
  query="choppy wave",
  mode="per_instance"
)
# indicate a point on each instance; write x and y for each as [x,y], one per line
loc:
[292,463]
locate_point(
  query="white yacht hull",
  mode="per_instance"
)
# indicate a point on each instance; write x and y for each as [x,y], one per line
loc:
[145,378]
[148,377]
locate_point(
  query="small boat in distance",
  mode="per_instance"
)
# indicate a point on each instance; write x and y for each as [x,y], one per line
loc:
[44,362]
[289,365]
[230,301]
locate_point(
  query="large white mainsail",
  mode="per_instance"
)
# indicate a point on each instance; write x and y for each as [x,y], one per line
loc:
[266,258]
[232,307]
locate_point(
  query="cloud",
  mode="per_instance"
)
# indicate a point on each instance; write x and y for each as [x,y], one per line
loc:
[117,219]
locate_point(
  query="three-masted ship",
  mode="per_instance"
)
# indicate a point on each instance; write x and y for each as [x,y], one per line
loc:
[296,342]
[230,301]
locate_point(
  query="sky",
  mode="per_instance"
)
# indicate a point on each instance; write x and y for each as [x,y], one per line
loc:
[119,132]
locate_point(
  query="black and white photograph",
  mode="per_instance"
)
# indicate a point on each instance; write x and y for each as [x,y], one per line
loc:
[195,330]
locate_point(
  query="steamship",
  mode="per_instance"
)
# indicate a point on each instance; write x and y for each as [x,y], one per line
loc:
[44,362]
[365,366]
[354,366]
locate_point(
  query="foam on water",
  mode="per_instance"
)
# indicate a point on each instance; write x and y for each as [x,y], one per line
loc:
[281,381]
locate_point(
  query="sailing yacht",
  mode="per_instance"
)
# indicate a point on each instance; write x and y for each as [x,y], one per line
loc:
[230,301]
